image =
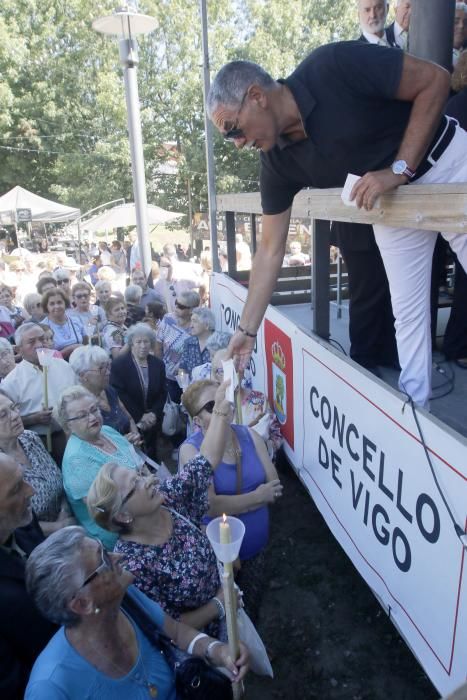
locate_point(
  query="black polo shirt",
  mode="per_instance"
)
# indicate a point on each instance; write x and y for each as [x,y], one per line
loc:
[345,94]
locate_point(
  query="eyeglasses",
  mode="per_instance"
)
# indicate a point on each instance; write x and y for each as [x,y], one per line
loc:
[93,411]
[131,492]
[182,307]
[102,369]
[13,408]
[65,281]
[105,565]
[82,296]
[209,407]
[235,132]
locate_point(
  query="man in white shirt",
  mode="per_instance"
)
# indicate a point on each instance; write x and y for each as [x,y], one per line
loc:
[25,384]
[398,31]
[372,16]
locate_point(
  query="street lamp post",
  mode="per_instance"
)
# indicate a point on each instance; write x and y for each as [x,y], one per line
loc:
[126,23]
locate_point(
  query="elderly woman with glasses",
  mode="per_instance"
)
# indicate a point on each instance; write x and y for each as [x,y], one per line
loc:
[244,484]
[139,379]
[92,317]
[7,358]
[17,314]
[159,529]
[90,445]
[195,351]
[103,649]
[63,279]
[173,330]
[40,471]
[91,365]
[69,333]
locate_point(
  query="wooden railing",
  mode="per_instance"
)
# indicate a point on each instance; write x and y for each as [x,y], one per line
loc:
[426,207]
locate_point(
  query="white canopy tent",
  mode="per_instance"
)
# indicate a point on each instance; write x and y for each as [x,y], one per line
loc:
[42,210]
[125,215]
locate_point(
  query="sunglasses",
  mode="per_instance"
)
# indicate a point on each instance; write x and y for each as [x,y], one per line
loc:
[209,407]
[82,296]
[182,307]
[235,132]
[65,281]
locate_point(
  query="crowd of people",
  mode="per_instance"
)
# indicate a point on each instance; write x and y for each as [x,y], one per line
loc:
[81,488]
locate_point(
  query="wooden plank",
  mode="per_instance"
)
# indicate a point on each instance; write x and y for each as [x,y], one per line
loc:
[427,207]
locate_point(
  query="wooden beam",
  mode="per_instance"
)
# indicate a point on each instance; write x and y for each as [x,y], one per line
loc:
[427,207]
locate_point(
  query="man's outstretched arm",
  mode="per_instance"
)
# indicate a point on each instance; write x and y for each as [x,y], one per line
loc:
[263,277]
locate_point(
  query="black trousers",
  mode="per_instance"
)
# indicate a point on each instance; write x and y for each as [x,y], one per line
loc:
[371,321]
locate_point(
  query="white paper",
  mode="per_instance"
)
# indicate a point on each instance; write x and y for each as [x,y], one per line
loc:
[230,373]
[345,194]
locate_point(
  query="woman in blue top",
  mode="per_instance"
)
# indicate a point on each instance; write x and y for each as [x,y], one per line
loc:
[244,484]
[101,653]
[69,332]
[90,445]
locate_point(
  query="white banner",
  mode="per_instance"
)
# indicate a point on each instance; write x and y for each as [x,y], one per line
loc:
[359,453]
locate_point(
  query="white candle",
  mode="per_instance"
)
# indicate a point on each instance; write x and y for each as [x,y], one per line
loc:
[224,531]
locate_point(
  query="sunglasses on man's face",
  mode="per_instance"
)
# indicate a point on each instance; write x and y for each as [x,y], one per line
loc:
[182,307]
[66,281]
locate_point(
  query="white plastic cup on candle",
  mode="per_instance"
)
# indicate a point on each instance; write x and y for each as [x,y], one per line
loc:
[226,552]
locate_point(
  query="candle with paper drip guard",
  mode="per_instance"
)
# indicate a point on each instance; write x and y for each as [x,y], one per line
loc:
[45,356]
[226,536]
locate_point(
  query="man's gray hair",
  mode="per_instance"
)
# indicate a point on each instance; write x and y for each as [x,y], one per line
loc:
[54,574]
[87,357]
[71,393]
[133,294]
[231,83]
[206,316]
[141,329]
[188,298]
[23,329]
[218,341]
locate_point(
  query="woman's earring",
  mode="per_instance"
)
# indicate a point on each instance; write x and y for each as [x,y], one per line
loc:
[97,611]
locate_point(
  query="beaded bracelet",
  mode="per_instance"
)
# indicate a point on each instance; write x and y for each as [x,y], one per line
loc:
[247,333]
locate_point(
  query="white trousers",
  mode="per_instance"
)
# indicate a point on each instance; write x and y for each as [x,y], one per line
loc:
[407,255]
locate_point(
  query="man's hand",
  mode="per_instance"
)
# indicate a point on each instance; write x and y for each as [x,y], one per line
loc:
[372,185]
[240,348]
[43,417]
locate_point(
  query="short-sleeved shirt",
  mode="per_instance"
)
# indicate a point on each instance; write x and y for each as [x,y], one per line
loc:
[346,96]
[113,336]
[61,673]
[69,333]
[192,355]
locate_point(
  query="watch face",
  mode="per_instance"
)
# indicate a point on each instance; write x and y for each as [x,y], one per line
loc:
[399,167]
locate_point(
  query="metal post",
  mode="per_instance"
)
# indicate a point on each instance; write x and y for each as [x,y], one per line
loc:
[129,58]
[254,244]
[339,286]
[320,277]
[431,30]
[209,147]
[231,249]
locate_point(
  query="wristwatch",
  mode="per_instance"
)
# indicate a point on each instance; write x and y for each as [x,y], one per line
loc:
[400,167]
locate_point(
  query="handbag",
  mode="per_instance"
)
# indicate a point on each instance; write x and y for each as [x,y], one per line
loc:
[194,678]
[172,422]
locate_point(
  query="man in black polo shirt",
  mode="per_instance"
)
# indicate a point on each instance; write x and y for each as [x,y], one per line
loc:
[348,108]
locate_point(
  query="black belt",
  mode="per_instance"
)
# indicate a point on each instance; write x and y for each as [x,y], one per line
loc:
[442,139]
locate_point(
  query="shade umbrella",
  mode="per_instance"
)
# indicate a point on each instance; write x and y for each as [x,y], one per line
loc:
[125,215]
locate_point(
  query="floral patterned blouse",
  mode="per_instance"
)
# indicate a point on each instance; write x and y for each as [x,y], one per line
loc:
[181,574]
[44,476]
[192,355]
[172,337]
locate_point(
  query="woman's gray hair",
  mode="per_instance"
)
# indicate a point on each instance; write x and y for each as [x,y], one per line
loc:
[206,316]
[218,341]
[87,357]
[61,273]
[189,298]
[143,329]
[72,393]
[54,574]
[30,301]
[6,345]
[133,294]
[231,83]
[100,284]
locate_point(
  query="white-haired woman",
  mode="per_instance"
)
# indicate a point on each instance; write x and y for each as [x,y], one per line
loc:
[90,445]
[33,306]
[195,351]
[139,379]
[7,358]
[102,652]
[103,291]
[172,332]
[91,365]
[216,341]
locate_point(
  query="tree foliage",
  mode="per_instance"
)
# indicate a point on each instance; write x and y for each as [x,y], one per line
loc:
[62,106]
